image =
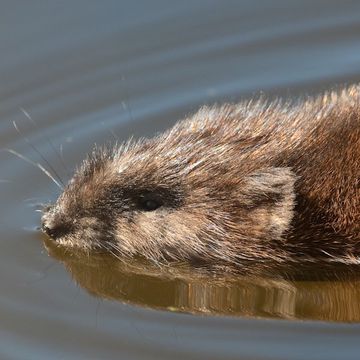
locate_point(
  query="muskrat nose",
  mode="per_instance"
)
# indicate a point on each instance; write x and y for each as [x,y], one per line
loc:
[48,230]
[53,230]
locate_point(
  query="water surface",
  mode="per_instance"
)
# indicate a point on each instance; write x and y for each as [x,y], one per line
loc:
[86,70]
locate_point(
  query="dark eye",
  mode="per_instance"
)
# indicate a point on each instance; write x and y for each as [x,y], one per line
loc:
[149,203]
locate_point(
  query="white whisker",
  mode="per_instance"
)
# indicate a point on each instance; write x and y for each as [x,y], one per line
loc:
[126,102]
[28,115]
[114,135]
[59,154]
[46,172]
[39,153]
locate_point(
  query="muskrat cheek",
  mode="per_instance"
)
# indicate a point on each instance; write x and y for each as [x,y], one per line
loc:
[271,199]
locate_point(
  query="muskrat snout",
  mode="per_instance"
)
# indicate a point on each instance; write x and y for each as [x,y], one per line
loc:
[51,226]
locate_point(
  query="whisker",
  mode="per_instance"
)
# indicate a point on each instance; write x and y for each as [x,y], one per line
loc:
[124,103]
[116,252]
[128,109]
[59,154]
[114,135]
[28,116]
[45,171]
[40,154]
[61,151]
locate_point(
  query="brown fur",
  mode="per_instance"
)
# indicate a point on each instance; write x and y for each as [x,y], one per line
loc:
[250,181]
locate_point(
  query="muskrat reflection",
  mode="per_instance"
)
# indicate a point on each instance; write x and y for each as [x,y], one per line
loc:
[180,288]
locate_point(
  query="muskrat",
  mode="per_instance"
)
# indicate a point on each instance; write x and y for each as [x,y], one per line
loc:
[259,180]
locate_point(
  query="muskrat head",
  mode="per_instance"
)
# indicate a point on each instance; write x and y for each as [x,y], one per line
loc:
[192,193]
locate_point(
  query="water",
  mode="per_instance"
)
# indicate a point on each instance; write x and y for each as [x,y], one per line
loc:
[85,70]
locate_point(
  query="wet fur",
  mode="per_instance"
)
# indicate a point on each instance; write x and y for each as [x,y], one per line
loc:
[264,181]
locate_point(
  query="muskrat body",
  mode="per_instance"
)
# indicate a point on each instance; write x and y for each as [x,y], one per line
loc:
[264,181]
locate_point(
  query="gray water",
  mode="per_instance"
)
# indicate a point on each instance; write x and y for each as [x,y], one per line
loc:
[86,70]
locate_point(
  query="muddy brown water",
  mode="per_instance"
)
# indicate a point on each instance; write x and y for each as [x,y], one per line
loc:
[86,70]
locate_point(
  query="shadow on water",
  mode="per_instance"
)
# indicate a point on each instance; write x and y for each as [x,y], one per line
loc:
[320,293]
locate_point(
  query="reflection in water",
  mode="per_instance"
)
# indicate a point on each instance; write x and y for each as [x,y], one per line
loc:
[334,295]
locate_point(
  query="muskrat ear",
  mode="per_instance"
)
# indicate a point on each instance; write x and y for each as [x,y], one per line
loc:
[270,193]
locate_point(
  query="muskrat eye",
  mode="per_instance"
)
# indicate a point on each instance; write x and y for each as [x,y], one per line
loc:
[149,203]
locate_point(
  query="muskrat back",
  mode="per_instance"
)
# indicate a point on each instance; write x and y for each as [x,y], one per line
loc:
[258,180]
